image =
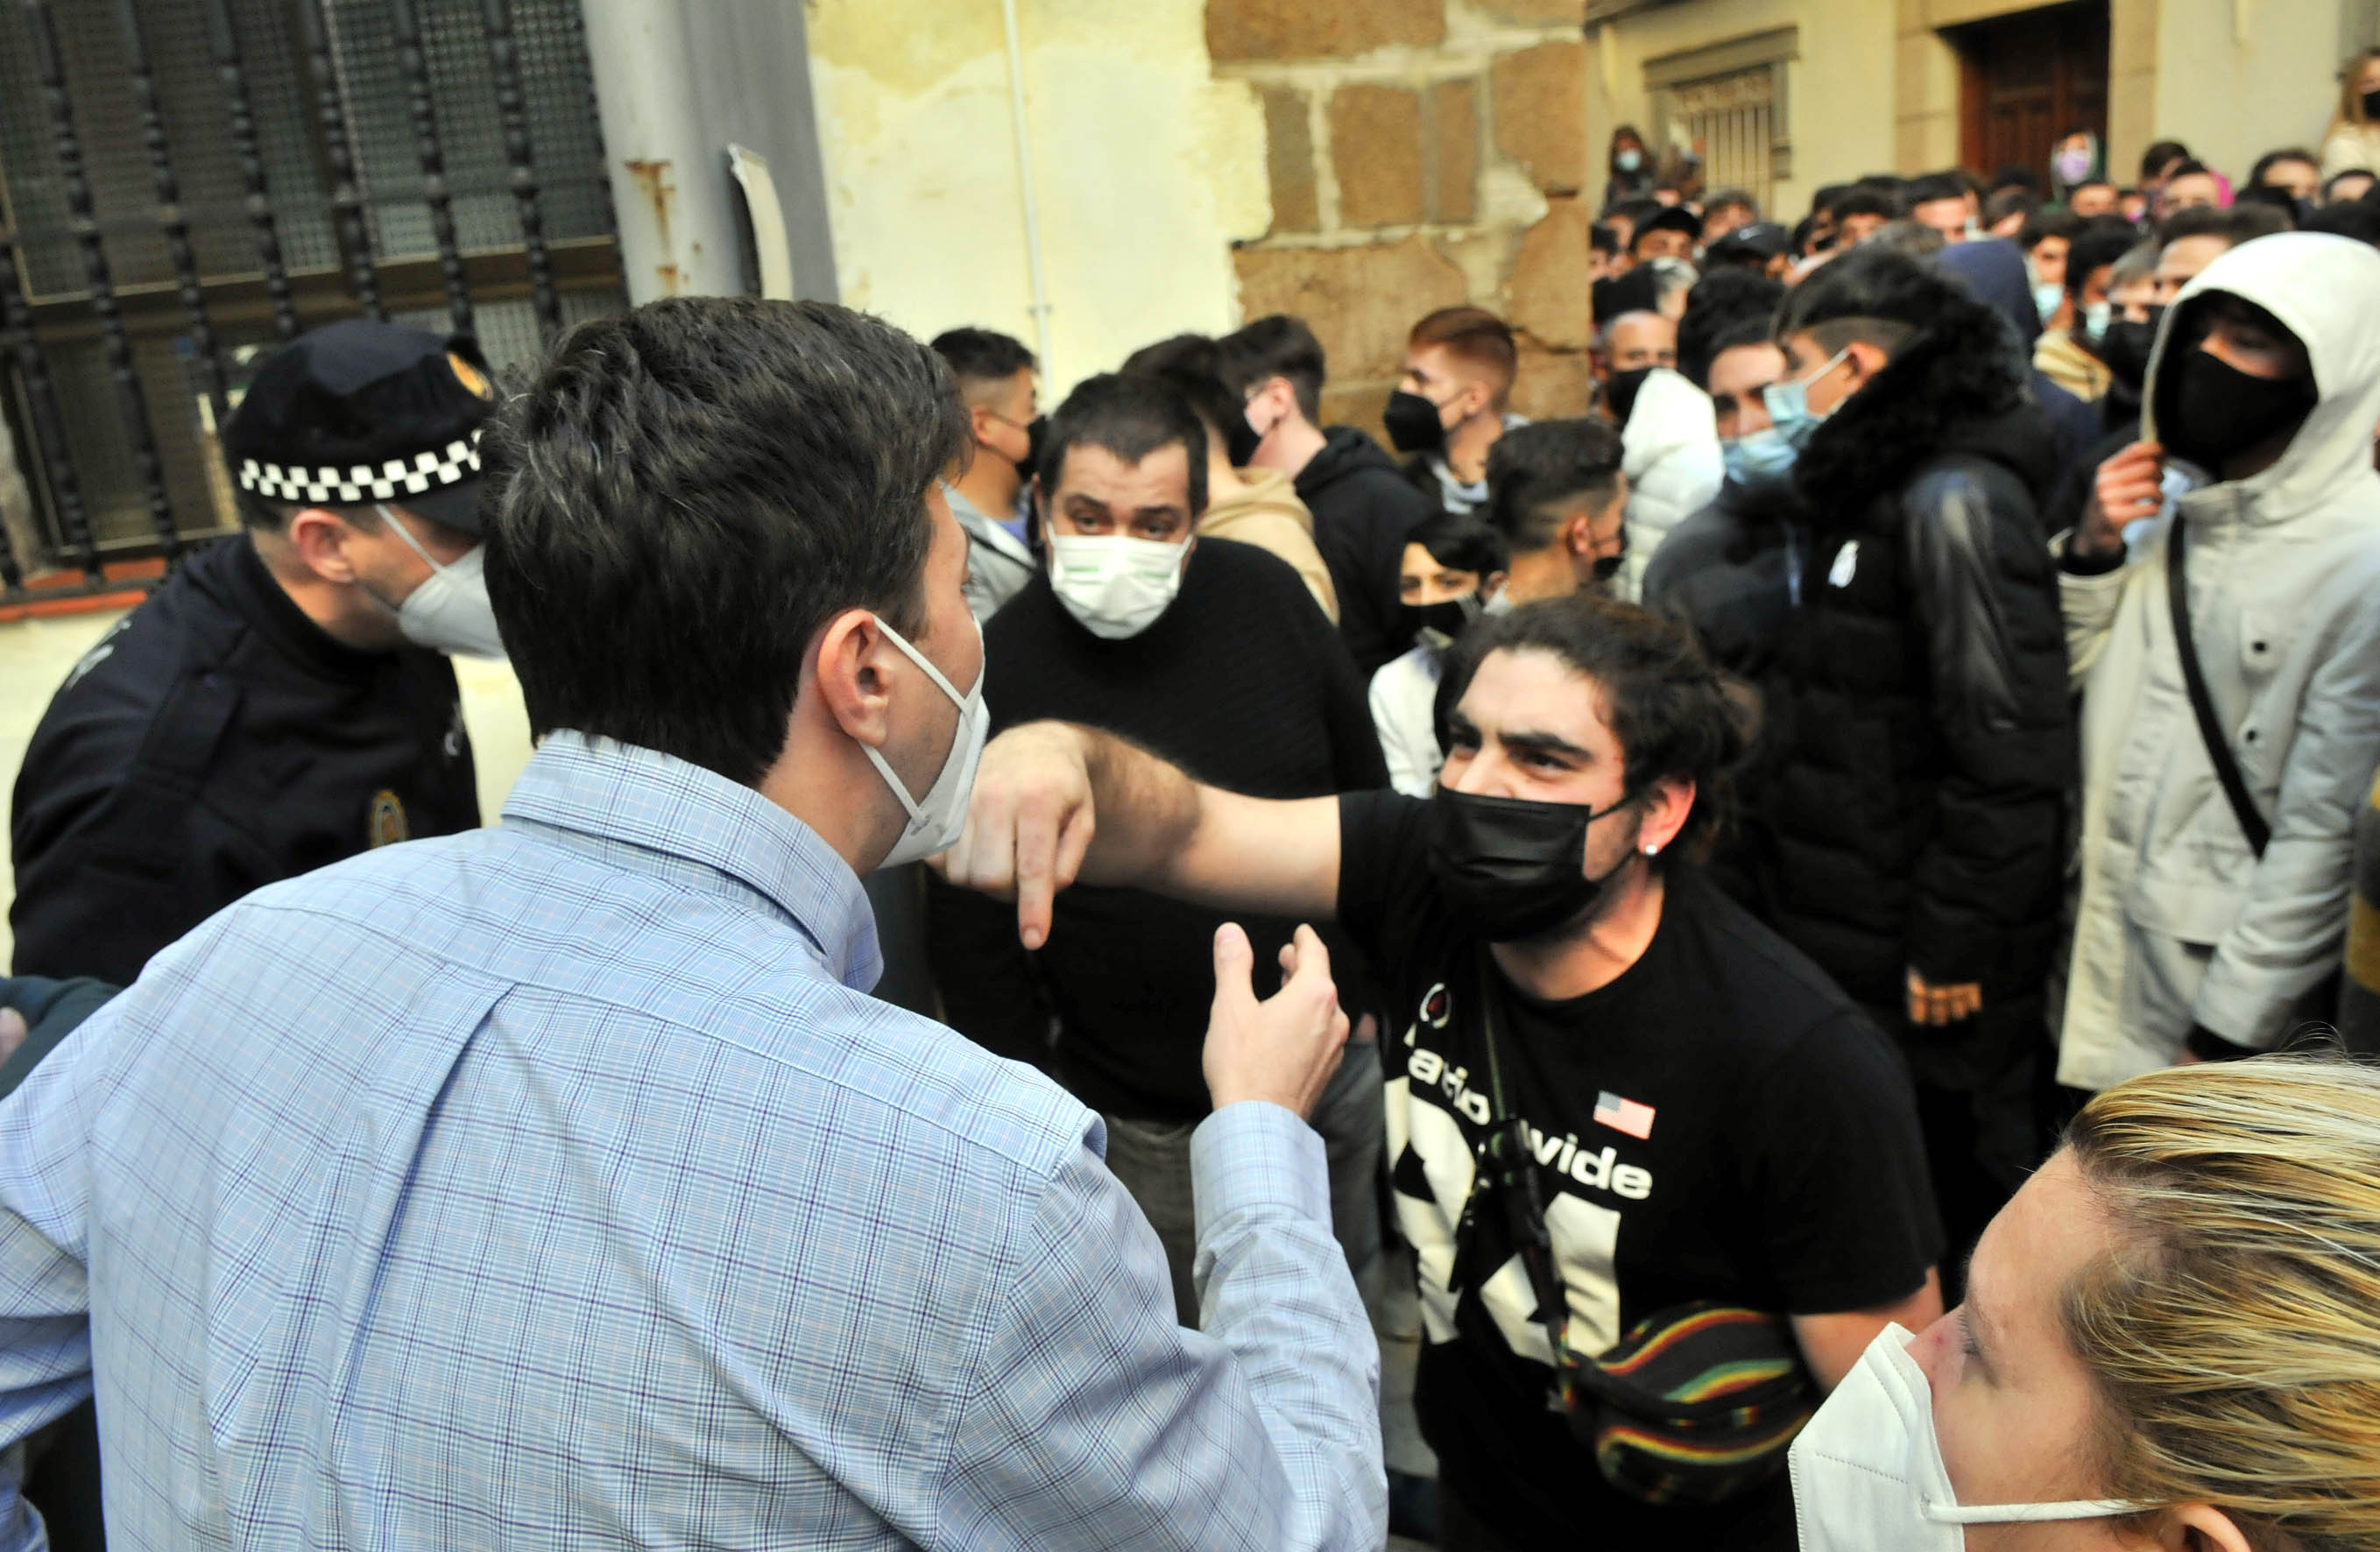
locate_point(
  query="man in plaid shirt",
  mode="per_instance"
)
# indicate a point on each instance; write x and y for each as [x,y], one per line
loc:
[559,1184]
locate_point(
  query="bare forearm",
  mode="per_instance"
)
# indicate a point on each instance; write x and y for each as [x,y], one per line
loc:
[1147,810]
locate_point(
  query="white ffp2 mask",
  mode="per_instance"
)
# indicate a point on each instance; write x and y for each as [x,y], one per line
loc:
[1115,585]
[450,610]
[1868,1474]
[937,819]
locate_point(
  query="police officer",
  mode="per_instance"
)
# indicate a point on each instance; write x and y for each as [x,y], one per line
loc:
[283,700]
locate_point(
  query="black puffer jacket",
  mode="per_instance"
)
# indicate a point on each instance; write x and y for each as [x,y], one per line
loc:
[1914,817]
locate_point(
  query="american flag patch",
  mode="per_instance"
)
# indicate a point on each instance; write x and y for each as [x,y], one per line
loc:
[1623,1115]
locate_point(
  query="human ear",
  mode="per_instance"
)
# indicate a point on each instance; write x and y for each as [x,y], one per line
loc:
[1668,803]
[979,421]
[322,538]
[2198,1527]
[851,677]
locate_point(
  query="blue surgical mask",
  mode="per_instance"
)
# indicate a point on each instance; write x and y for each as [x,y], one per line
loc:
[2045,298]
[1789,404]
[1761,461]
[1629,160]
[2094,320]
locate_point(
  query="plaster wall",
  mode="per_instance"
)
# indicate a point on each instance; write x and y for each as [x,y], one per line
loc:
[1147,168]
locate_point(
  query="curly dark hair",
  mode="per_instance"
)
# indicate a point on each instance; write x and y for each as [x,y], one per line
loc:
[1663,700]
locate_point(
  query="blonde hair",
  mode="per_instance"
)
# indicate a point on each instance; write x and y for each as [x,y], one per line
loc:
[2351,102]
[2235,1337]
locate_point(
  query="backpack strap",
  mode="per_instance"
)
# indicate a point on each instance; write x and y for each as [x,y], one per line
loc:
[2202,705]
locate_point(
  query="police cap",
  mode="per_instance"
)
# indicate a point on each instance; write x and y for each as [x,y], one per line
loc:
[362,412]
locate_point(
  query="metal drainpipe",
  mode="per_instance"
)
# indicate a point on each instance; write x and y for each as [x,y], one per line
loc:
[1024,184]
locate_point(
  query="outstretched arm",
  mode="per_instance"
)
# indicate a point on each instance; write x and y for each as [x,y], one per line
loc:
[1055,803]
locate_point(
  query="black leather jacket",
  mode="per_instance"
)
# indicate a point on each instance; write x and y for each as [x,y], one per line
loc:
[1915,815]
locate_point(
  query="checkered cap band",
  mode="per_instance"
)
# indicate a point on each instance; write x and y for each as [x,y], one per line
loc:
[450,465]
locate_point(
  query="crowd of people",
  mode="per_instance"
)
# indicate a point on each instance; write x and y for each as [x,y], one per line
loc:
[1817,917]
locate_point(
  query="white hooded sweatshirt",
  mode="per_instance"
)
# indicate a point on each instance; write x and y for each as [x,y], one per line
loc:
[1669,453]
[2179,923]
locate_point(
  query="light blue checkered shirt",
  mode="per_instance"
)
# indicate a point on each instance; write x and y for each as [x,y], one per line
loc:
[557,1185]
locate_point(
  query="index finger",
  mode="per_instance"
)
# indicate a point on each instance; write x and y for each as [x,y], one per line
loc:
[1313,958]
[1036,873]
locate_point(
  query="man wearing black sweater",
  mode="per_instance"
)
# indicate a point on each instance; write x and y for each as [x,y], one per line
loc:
[1364,507]
[1214,655]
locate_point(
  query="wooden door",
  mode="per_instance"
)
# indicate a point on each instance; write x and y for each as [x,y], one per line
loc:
[2027,79]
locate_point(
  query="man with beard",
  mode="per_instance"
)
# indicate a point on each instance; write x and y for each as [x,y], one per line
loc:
[1705,1116]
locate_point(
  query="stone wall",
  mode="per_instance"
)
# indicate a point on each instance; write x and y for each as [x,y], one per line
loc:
[1420,153]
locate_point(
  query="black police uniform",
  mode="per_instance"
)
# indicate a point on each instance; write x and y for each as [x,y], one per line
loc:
[218,740]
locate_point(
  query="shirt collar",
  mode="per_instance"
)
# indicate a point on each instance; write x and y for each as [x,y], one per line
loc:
[619,791]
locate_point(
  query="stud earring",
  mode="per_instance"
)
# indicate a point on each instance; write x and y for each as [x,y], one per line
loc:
[1652,848]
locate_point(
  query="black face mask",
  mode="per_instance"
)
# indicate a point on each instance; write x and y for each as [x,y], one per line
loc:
[2213,412]
[1240,441]
[1447,617]
[1413,424]
[1620,393]
[2125,348]
[1511,867]
[2371,105]
[1037,436]
[1607,566]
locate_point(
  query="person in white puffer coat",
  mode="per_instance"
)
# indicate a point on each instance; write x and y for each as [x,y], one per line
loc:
[1670,455]
[2188,945]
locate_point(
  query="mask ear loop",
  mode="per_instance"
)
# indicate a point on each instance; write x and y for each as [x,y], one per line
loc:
[406,534]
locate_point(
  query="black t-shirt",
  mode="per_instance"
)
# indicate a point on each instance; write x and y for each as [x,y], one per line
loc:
[1719,1123]
[1241,683]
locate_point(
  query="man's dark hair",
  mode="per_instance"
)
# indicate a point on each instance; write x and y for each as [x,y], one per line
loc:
[1805,231]
[2107,184]
[1636,213]
[1278,346]
[1535,470]
[2055,221]
[2006,203]
[2330,185]
[1663,700]
[2015,177]
[687,495]
[1741,331]
[1130,417]
[2154,160]
[1860,201]
[1870,294]
[982,356]
[1889,185]
[1603,237]
[2271,159]
[2359,219]
[2271,196]
[1192,365]
[1824,199]
[1721,302]
[1932,187]
[2098,245]
[2237,225]
[1741,197]
[2187,167]
[1460,542]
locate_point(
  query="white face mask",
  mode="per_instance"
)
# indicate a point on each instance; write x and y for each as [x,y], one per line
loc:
[450,610]
[1116,587]
[937,820]
[1868,1474]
